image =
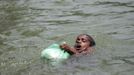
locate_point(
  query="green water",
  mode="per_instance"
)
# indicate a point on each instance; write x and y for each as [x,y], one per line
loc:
[29,26]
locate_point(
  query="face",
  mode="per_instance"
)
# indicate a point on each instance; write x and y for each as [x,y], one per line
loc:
[82,43]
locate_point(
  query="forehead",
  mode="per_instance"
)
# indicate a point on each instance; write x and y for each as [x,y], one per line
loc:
[82,36]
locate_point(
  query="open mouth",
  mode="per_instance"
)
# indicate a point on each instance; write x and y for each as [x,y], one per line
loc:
[78,47]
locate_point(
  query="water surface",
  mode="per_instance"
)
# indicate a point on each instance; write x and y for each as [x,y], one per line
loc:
[29,26]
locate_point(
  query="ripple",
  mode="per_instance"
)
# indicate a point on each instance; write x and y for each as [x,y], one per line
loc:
[31,33]
[122,57]
[123,12]
[114,3]
[112,33]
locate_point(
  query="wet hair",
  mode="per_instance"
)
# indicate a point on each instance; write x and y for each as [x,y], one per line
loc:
[90,39]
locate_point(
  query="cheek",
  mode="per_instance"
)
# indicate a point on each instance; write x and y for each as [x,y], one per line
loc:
[88,44]
[85,45]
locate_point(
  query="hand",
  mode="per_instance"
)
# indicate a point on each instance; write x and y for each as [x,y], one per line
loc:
[65,46]
[68,48]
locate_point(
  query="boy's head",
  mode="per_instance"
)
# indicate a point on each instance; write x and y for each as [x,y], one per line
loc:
[83,42]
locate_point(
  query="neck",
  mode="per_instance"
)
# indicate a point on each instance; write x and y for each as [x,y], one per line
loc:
[88,51]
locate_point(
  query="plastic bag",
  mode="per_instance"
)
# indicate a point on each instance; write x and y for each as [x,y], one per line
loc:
[54,52]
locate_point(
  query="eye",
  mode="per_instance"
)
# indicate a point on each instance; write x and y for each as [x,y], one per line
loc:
[83,40]
[77,40]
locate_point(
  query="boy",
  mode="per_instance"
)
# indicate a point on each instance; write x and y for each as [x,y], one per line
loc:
[83,45]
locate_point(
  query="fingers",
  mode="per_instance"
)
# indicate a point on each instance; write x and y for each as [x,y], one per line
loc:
[64,46]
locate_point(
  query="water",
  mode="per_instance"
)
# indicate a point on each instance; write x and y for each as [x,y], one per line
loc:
[29,26]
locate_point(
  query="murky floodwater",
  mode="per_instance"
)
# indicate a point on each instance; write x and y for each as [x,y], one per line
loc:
[29,26]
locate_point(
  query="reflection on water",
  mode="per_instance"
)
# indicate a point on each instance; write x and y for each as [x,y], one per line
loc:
[29,26]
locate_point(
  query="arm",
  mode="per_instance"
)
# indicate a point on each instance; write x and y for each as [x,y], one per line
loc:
[69,49]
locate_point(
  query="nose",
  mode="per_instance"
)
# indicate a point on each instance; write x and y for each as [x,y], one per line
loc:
[79,41]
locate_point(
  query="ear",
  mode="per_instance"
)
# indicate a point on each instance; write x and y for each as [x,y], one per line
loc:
[92,43]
